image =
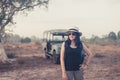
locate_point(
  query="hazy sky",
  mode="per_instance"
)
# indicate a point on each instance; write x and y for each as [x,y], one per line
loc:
[97,17]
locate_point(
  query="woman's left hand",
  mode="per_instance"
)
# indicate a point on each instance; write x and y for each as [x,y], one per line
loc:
[83,67]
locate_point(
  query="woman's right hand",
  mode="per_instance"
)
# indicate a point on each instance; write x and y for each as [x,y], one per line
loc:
[64,76]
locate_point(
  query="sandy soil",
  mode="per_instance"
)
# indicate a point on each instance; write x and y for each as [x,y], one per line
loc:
[32,65]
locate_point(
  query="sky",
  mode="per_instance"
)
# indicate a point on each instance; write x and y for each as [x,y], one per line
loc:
[93,17]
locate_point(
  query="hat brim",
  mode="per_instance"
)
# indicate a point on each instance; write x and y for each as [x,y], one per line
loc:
[80,33]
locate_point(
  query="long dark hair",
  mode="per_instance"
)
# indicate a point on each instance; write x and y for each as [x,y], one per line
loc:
[77,40]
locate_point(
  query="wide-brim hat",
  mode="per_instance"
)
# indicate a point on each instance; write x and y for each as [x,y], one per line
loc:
[75,29]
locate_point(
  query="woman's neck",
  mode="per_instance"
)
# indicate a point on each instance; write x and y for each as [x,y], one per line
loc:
[72,45]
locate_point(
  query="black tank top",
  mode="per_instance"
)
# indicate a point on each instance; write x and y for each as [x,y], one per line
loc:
[72,58]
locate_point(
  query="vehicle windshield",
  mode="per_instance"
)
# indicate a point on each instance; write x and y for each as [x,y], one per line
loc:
[57,35]
[59,38]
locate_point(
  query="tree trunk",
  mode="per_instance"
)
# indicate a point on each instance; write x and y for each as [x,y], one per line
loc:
[3,56]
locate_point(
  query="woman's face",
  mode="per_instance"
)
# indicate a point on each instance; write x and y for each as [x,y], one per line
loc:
[71,35]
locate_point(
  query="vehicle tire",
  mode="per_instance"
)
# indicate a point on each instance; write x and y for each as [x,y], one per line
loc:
[46,56]
[55,58]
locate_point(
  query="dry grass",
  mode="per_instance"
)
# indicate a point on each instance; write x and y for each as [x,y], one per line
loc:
[32,65]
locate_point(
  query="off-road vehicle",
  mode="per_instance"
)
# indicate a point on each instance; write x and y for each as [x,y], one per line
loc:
[52,40]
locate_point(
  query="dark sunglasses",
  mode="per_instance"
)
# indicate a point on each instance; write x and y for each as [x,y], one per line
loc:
[72,33]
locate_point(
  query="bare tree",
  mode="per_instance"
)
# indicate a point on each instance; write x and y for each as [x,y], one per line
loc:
[118,34]
[8,8]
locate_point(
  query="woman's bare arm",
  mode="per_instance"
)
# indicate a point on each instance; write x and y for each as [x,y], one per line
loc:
[64,76]
[89,54]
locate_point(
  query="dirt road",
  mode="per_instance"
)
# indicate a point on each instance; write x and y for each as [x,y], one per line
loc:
[32,65]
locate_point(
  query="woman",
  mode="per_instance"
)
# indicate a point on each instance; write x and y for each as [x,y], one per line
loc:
[71,49]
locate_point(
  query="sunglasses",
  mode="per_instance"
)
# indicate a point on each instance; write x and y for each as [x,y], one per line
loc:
[72,33]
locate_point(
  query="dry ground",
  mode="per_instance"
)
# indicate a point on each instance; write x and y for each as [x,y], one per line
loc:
[32,65]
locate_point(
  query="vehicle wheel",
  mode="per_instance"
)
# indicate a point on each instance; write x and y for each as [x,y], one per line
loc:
[46,56]
[55,58]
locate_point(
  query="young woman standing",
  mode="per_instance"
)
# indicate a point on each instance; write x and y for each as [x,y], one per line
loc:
[70,57]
